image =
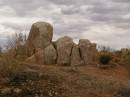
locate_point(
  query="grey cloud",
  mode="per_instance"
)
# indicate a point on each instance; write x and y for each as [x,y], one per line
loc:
[70,10]
[109,10]
[75,2]
[74,18]
[14,26]
[123,25]
[22,7]
[110,18]
[121,1]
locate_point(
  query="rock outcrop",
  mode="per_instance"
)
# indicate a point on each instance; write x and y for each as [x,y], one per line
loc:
[40,36]
[64,47]
[62,52]
[37,58]
[87,50]
[50,55]
[76,59]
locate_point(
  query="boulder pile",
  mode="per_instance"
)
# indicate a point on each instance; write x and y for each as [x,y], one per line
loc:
[42,50]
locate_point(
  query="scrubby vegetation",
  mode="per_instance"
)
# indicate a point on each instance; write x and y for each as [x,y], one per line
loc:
[9,66]
[104,58]
[16,46]
[11,56]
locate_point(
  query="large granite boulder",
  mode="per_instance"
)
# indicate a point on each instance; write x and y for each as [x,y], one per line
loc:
[88,51]
[64,47]
[40,36]
[50,55]
[76,59]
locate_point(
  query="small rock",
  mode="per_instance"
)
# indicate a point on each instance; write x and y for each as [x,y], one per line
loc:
[17,90]
[6,91]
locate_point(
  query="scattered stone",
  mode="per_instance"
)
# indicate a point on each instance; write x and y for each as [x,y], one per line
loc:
[26,75]
[17,90]
[6,91]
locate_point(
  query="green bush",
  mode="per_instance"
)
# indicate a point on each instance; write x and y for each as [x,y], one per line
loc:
[104,58]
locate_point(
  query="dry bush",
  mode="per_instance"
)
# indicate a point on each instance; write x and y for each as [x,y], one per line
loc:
[16,46]
[104,58]
[0,49]
[102,48]
[123,92]
[15,50]
[9,67]
[126,56]
[106,55]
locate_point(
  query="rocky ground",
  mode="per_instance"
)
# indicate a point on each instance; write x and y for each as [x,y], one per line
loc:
[66,81]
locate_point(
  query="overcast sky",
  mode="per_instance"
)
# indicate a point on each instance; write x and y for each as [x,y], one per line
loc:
[105,22]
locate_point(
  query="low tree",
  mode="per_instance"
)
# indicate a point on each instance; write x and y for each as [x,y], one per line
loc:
[0,50]
[104,58]
[16,40]
[102,48]
[16,45]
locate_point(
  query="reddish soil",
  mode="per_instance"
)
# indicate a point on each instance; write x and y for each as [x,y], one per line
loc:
[82,81]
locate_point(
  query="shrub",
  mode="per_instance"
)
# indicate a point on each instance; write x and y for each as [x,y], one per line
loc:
[16,46]
[124,92]
[104,58]
[9,66]
[105,48]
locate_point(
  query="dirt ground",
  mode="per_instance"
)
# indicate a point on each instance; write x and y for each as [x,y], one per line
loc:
[67,81]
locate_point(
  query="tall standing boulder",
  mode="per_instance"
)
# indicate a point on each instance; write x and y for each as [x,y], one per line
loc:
[50,55]
[76,59]
[94,52]
[40,36]
[64,47]
[88,51]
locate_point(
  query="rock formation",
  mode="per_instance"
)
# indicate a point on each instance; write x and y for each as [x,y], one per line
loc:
[87,50]
[37,58]
[64,47]
[46,56]
[76,56]
[40,36]
[50,55]
[62,52]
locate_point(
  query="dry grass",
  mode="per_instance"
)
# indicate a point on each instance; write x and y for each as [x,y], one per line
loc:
[82,81]
[9,66]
